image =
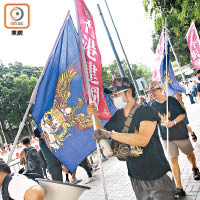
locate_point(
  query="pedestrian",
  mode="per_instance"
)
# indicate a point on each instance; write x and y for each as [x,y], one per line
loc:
[18,186]
[54,166]
[188,93]
[198,83]
[74,180]
[29,157]
[178,96]
[193,90]
[43,163]
[133,127]
[178,132]
[84,165]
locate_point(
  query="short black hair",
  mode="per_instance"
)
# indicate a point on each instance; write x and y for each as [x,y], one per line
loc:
[4,167]
[198,71]
[26,140]
[37,133]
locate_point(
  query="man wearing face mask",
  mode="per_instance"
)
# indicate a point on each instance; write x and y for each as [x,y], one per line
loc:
[146,162]
[198,84]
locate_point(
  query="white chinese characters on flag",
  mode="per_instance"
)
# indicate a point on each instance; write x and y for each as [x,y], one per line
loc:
[159,58]
[194,46]
[93,59]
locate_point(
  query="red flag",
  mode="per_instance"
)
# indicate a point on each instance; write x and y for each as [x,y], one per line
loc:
[159,58]
[93,59]
[194,46]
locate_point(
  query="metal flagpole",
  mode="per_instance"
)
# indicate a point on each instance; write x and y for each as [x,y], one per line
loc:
[3,134]
[21,126]
[183,77]
[166,83]
[112,44]
[32,100]
[85,71]
[126,58]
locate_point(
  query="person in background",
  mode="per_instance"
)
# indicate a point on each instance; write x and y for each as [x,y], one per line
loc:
[146,162]
[179,97]
[53,164]
[18,186]
[198,83]
[193,90]
[43,163]
[74,180]
[188,93]
[86,167]
[178,133]
[29,157]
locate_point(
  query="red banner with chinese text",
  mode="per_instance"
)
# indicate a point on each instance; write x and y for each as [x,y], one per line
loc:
[93,59]
[194,46]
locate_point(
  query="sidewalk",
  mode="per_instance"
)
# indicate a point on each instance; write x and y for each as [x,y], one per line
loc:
[117,181]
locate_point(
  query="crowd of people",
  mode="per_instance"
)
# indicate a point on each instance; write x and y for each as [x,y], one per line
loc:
[143,132]
[134,130]
[36,163]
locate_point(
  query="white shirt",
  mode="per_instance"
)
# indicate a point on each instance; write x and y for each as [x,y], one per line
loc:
[18,186]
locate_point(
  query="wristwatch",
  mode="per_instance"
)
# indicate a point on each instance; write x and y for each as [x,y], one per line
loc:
[174,122]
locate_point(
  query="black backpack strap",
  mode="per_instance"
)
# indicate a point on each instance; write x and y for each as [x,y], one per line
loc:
[129,118]
[33,176]
[5,193]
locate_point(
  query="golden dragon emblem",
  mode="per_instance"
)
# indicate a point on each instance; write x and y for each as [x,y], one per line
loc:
[57,122]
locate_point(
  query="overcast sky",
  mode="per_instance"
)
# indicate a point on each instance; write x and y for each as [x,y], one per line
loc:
[47,16]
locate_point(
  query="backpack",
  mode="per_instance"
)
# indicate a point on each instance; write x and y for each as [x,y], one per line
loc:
[4,190]
[122,150]
[32,161]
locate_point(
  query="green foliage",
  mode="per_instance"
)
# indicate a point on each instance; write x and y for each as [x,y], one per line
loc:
[179,14]
[138,72]
[18,81]
[16,85]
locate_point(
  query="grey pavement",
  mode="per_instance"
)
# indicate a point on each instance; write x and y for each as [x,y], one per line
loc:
[116,177]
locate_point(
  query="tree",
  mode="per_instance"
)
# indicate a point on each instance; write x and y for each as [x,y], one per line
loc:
[138,72]
[16,85]
[179,14]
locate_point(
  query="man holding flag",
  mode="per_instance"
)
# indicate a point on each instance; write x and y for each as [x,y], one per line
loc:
[172,127]
[178,132]
[60,97]
[146,162]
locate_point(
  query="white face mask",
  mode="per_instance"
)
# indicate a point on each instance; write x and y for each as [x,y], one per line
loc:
[119,103]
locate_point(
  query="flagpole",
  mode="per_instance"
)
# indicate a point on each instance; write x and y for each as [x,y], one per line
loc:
[32,99]
[3,134]
[166,83]
[85,71]
[183,77]
[121,71]
[21,126]
[126,58]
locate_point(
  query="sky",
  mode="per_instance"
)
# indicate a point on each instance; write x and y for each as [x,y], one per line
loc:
[47,17]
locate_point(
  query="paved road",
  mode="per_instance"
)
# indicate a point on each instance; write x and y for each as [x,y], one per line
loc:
[117,180]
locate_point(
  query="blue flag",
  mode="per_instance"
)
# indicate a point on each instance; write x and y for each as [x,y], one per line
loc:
[59,110]
[173,85]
